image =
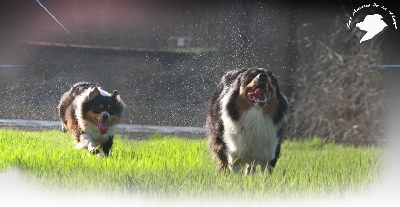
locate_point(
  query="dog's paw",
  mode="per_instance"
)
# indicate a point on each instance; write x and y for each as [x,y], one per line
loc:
[64,128]
[94,151]
[80,145]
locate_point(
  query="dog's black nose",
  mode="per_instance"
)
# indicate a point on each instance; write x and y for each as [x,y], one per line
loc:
[263,77]
[105,116]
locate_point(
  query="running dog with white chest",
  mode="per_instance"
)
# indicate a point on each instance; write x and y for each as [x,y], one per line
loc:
[245,120]
[91,114]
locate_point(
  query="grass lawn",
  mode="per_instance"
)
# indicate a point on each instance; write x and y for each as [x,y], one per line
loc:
[171,166]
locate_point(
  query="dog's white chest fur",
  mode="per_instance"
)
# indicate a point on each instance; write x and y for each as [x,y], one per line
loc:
[252,138]
[94,132]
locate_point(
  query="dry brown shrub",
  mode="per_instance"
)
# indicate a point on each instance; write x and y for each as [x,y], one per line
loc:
[337,94]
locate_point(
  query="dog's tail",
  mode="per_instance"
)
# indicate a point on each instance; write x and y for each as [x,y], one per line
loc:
[68,97]
[80,87]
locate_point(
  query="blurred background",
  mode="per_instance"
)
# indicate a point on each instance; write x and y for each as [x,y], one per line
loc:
[166,57]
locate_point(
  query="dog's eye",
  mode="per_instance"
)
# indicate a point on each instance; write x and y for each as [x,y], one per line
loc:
[110,109]
[98,108]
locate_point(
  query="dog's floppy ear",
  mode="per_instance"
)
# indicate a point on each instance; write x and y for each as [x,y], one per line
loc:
[94,93]
[115,94]
[231,76]
[274,80]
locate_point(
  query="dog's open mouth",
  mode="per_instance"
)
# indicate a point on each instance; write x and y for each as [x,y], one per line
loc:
[259,94]
[103,126]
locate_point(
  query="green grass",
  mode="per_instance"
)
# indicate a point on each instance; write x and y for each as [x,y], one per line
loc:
[169,166]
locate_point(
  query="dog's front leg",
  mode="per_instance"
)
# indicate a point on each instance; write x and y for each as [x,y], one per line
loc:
[86,141]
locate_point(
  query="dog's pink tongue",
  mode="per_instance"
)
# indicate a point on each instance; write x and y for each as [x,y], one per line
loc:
[255,92]
[103,126]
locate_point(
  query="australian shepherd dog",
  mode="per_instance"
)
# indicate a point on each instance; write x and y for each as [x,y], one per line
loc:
[91,115]
[245,121]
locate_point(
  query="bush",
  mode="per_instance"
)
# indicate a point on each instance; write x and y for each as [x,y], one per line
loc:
[337,94]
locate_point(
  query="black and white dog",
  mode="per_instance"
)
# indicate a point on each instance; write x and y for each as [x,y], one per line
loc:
[91,114]
[245,120]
